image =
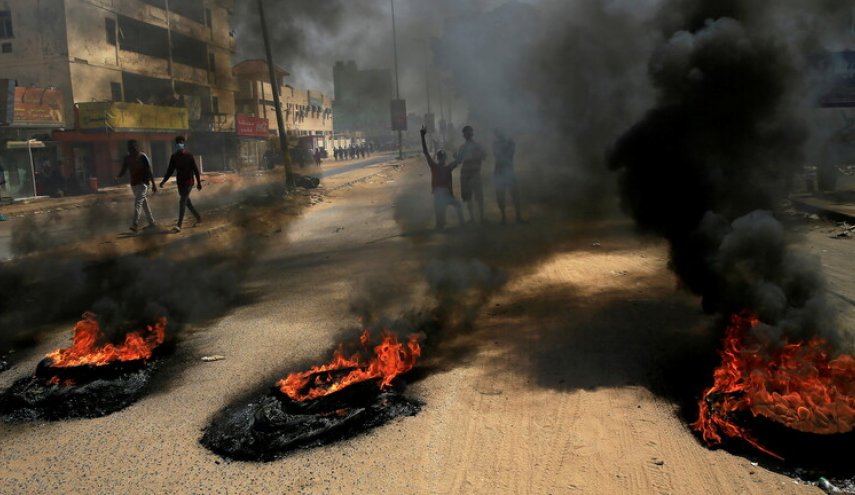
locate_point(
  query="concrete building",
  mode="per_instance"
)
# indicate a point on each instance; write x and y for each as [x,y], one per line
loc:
[151,68]
[308,114]
[362,99]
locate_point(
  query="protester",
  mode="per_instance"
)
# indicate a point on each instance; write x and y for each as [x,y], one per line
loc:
[503,176]
[317,157]
[441,184]
[139,167]
[186,171]
[470,155]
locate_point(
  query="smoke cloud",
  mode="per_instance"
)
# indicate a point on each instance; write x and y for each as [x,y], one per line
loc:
[710,161]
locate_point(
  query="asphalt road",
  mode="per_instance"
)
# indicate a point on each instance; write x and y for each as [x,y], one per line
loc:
[547,391]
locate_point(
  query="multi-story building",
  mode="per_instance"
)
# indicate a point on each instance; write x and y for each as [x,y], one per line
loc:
[308,114]
[128,69]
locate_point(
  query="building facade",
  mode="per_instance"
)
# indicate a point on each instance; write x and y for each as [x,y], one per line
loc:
[308,114]
[137,56]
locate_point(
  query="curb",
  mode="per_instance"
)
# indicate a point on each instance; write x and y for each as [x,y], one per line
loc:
[828,213]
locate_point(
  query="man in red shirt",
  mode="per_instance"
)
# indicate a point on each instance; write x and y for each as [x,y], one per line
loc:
[441,184]
[139,167]
[186,172]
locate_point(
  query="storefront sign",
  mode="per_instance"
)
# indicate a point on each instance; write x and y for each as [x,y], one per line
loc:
[250,126]
[119,116]
[38,107]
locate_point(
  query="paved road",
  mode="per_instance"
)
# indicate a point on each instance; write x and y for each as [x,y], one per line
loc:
[547,392]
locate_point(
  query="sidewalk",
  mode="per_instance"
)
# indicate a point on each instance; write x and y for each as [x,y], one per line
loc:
[838,206]
[46,204]
[118,192]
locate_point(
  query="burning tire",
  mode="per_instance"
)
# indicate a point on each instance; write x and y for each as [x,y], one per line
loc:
[328,403]
[272,426]
[89,379]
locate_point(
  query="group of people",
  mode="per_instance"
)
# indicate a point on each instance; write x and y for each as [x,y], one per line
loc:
[138,165]
[352,152]
[469,158]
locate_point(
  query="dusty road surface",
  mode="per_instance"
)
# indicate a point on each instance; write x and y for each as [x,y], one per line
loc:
[556,381]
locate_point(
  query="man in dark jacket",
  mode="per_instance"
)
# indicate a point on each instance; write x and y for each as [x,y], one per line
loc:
[139,166]
[186,171]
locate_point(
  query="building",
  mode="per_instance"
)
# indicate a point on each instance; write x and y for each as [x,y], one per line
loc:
[308,114]
[362,99]
[28,116]
[128,69]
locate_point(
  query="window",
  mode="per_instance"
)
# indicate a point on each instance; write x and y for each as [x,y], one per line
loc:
[116,91]
[6,25]
[208,18]
[7,48]
[110,27]
[215,105]
[140,37]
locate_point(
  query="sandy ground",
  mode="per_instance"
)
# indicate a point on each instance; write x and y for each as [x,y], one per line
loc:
[556,388]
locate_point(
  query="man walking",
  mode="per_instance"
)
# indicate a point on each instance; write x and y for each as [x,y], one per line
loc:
[503,176]
[470,155]
[139,167]
[184,166]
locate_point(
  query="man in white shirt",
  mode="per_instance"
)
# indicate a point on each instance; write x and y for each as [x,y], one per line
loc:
[471,154]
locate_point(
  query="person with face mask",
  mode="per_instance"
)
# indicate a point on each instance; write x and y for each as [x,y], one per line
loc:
[187,174]
[139,167]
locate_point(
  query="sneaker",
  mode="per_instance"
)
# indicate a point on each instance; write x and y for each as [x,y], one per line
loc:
[176,229]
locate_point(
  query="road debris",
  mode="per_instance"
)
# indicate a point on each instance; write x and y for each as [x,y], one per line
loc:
[844,231]
[211,359]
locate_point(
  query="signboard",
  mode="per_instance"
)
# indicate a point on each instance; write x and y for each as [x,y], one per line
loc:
[7,101]
[399,115]
[119,116]
[250,126]
[38,107]
[430,122]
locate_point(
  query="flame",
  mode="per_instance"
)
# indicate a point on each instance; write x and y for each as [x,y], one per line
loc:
[390,358]
[85,349]
[797,384]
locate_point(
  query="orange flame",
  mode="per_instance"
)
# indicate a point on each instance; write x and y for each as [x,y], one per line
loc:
[799,385]
[85,349]
[390,358]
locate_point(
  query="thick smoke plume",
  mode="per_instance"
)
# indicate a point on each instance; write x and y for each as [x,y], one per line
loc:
[708,164]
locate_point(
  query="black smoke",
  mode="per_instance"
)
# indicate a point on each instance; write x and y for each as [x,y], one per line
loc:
[708,164]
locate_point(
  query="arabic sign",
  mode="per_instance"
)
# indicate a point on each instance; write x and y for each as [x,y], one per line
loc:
[119,116]
[38,107]
[30,107]
[248,125]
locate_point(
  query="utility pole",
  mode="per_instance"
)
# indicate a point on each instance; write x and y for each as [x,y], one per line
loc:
[277,102]
[427,72]
[397,83]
